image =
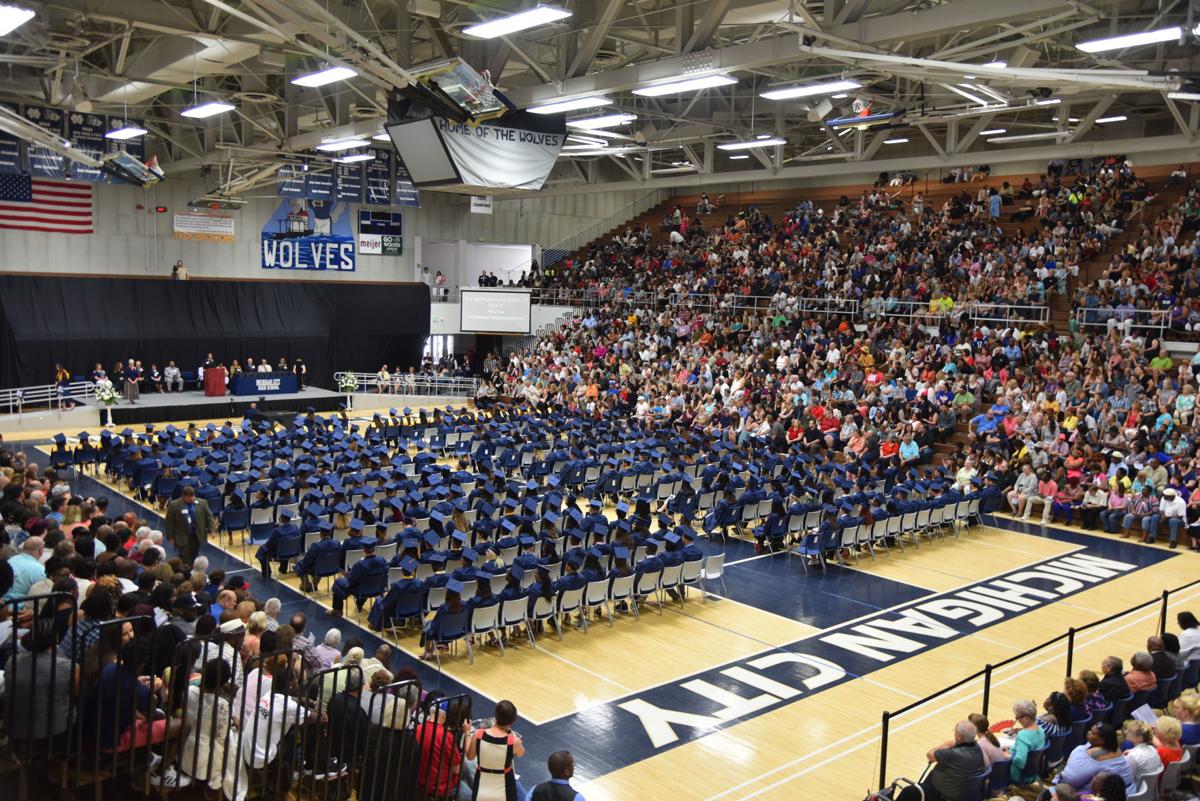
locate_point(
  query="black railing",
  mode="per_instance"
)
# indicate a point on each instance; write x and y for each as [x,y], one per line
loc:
[987,671]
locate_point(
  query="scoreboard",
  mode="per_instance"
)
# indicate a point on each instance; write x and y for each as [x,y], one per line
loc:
[380,233]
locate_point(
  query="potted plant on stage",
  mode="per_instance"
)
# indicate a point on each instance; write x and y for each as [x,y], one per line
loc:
[107,396]
[348,383]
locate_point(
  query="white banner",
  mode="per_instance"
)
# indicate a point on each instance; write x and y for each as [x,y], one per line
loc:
[370,244]
[481,204]
[199,225]
[489,155]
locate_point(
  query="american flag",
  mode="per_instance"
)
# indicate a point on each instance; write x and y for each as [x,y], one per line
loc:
[36,204]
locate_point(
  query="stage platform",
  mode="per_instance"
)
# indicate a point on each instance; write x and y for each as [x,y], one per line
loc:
[159,407]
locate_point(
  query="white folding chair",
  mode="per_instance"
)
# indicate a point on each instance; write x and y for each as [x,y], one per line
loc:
[621,589]
[353,556]
[513,613]
[670,580]
[571,601]
[714,568]
[434,599]
[484,620]
[595,595]
[689,576]
[543,609]
[387,552]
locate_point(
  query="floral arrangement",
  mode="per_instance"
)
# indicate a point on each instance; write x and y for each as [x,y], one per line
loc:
[106,393]
[348,382]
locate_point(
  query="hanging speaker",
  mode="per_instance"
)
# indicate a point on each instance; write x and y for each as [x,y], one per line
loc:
[820,110]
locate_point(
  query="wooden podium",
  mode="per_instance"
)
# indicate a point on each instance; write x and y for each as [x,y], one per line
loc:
[214,382]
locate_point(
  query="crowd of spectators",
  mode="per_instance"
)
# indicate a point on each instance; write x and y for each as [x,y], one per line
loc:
[1114,742]
[109,642]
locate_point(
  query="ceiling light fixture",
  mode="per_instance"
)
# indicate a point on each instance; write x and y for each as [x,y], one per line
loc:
[1131,40]
[1184,95]
[993,132]
[209,109]
[354,158]
[841,96]
[13,17]
[322,77]
[126,131]
[1029,137]
[685,85]
[738,158]
[790,92]
[897,141]
[586,140]
[606,121]
[775,140]
[668,170]
[342,144]
[522,20]
[563,106]
[382,136]
[1117,118]
[995,65]
[964,93]
[1053,101]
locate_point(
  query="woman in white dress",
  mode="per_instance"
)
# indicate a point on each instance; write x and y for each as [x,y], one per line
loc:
[495,748]
[210,730]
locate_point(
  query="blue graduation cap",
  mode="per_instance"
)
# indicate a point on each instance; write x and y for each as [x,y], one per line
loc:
[454,586]
[512,503]
[343,508]
[60,439]
[367,505]
[470,554]
[595,503]
[459,536]
[553,481]
[575,515]
[461,504]
[622,507]
[672,537]
[525,540]
[369,543]
[508,525]
[325,525]
[437,557]
[407,411]
[574,560]
[516,572]
[431,538]
[437,516]
[687,532]
[356,524]
[410,542]
[408,565]
[621,552]
[551,517]
[285,514]
[595,553]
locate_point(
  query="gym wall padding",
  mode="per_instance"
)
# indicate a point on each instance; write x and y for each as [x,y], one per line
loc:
[82,321]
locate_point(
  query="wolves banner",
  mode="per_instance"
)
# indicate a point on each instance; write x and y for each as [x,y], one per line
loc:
[309,235]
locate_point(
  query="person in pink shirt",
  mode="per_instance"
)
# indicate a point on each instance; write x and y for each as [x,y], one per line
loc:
[1047,490]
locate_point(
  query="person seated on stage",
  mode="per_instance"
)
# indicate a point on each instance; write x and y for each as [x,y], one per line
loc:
[155,378]
[327,544]
[283,532]
[282,367]
[356,578]
[264,366]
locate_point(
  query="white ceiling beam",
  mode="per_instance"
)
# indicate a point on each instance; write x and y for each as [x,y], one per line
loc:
[1089,121]
[706,28]
[595,38]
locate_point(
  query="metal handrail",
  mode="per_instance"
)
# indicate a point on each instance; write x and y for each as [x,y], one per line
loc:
[407,384]
[1149,321]
[51,396]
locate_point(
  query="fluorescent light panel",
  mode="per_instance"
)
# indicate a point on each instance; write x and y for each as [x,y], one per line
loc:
[1184,95]
[964,93]
[1130,40]
[738,158]
[13,17]
[1053,101]
[344,144]
[128,132]
[790,92]
[382,136]
[897,141]
[995,65]
[1117,118]
[209,109]
[993,132]
[752,144]
[356,157]
[667,170]
[325,76]
[524,20]
[586,140]
[685,85]
[606,121]
[563,106]
[1029,137]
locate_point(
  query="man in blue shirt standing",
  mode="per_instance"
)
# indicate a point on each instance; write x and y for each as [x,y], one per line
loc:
[562,768]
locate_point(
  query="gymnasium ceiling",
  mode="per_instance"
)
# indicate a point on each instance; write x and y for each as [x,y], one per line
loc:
[155,57]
